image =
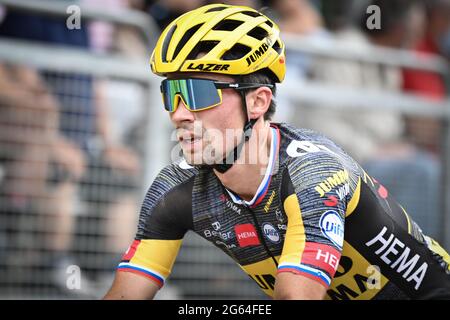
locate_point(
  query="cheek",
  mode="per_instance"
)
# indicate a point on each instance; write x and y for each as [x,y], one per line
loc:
[224,122]
[227,115]
[231,111]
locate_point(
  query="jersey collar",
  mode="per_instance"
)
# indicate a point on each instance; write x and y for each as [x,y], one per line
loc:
[264,185]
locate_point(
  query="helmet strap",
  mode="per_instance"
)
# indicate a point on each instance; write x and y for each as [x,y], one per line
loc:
[232,157]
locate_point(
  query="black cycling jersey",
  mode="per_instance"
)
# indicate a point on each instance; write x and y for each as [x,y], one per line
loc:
[316,213]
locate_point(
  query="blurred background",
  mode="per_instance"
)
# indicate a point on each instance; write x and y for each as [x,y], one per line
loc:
[83,132]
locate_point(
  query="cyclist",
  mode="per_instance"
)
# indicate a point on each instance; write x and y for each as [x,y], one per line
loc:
[301,218]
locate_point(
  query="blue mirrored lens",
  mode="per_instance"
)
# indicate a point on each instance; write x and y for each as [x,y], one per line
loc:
[197,94]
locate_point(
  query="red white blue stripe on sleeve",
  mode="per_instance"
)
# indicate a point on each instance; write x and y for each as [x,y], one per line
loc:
[307,271]
[150,274]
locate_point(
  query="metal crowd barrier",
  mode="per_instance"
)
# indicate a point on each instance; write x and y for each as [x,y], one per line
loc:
[201,270]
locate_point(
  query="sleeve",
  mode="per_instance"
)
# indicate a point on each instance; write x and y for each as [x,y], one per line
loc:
[316,192]
[166,215]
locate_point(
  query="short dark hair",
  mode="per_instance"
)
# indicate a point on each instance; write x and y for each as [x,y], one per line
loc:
[261,77]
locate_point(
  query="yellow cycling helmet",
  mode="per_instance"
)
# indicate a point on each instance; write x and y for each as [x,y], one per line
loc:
[236,40]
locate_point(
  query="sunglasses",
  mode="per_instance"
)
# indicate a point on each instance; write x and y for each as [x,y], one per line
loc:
[198,94]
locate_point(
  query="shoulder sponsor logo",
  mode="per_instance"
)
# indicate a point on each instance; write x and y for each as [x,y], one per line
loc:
[399,257]
[184,165]
[271,233]
[338,178]
[332,227]
[332,201]
[300,148]
[246,235]
[343,191]
[208,67]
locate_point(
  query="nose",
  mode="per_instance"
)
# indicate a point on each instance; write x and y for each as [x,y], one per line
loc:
[181,113]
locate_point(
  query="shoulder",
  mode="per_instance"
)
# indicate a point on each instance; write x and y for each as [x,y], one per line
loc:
[310,157]
[174,175]
[166,212]
[174,179]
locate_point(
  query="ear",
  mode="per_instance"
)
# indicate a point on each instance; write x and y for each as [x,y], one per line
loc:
[258,102]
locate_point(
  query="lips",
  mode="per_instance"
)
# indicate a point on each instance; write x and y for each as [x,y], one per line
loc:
[188,135]
[189,138]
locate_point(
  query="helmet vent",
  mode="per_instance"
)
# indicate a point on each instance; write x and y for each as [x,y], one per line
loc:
[258,33]
[228,25]
[236,52]
[188,35]
[251,13]
[216,9]
[269,23]
[166,42]
[202,47]
[277,46]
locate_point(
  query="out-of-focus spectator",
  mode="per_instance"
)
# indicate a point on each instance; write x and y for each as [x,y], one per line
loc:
[367,133]
[299,17]
[255,4]
[41,170]
[416,167]
[426,132]
[362,133]
[164,11]
[109,184]
[374,137]
[118,124]
[296,18]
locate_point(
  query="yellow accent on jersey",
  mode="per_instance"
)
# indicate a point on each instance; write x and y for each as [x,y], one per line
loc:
[295,240]
[261,271]
[436,248]
[352,283]
[353,203]
[157,255]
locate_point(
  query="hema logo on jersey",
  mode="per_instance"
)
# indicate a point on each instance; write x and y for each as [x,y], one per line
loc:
[246,235]
[332,227]
[271,233]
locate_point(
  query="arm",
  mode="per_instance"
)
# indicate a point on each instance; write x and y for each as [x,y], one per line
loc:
[314,236]
[130,286]
[290,286]
[166,215]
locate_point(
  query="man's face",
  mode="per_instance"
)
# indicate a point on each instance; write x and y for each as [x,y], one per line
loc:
[207,136]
